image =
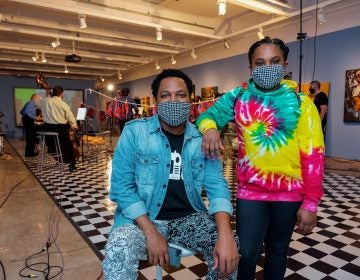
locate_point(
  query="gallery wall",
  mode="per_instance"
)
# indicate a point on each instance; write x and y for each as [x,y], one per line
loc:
[334,54]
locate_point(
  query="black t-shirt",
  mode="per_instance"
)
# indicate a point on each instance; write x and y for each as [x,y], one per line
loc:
[176,203]
[321,99]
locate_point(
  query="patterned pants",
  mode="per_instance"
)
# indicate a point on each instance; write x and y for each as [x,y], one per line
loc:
[127,245]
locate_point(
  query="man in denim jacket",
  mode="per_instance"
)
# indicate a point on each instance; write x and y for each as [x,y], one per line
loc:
[158,175]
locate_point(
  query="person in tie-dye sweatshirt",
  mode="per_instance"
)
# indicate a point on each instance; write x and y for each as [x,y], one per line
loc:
[280,158]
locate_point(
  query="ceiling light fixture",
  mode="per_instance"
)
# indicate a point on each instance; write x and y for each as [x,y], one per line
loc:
[43,58]
[66,70]
[55,43]
[221,7]
[260,7]
[157,66]
[119,75]
[226,44]
[193,54]
[110,87]
[82,21]
[102,78]
[321,16]
[173,61]
[260,34]
[158,34]
[35,57]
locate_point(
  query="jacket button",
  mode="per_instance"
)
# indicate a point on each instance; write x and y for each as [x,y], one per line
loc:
[168,165]
[167,145]
[158,205]
[164,186]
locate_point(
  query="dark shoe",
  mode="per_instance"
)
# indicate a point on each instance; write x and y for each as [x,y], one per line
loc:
[72,168]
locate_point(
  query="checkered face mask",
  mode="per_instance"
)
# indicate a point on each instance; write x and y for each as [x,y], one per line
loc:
[174,113]
[268,76]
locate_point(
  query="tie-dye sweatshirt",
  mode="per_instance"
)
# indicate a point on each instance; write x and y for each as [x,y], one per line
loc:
[281,146]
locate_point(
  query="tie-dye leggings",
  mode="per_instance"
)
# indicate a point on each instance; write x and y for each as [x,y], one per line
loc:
[127,244]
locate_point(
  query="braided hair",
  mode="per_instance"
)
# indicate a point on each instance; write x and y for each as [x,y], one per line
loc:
[268,40]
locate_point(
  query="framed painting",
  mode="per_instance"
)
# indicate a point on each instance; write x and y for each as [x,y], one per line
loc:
[352,96]
[208,93]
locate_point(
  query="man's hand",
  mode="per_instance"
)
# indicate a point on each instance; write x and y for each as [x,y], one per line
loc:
[157,247]
[306,221]
[211,143]
[226,255]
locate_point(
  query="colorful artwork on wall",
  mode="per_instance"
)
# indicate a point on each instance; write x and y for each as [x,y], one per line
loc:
[352,96]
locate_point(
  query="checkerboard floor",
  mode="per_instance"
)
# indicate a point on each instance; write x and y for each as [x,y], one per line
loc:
[331,251]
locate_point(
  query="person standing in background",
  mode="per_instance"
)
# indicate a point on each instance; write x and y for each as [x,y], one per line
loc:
[320,101]
[28,113]
[128,107]
[58,117]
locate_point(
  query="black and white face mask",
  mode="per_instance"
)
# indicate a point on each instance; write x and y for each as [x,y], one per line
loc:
[174,113]
[268,76]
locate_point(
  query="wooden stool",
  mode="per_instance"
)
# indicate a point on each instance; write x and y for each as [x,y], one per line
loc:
[57,155]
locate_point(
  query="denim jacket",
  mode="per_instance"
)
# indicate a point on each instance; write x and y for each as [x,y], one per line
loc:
[141,166]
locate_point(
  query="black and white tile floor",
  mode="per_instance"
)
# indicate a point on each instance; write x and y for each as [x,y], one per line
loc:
[332,251]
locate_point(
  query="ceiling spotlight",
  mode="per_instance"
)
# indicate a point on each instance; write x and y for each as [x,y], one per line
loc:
[226,44]
[221,7]
[119,75]
[158,34]
[35,57]
[110,87]
[260,34]
[157,66]
[173,61]
[55,43]
[102,78]
[82,21]
[193,54]
[321,16]
[66,69]
[43,58]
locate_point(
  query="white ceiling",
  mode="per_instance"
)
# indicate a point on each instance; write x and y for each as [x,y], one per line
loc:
[120,34]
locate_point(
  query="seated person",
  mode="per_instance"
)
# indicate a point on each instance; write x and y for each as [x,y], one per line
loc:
[158,174]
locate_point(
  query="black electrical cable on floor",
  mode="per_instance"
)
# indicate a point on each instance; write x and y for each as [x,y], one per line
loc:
[12,189]
[3,270]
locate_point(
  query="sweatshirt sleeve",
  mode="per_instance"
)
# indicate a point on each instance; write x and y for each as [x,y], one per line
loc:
[311,142]
[218,115]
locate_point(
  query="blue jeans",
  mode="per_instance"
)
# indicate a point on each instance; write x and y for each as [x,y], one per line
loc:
[268,222]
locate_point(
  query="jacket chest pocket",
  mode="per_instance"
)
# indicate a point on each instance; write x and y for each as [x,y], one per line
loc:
[146,168]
